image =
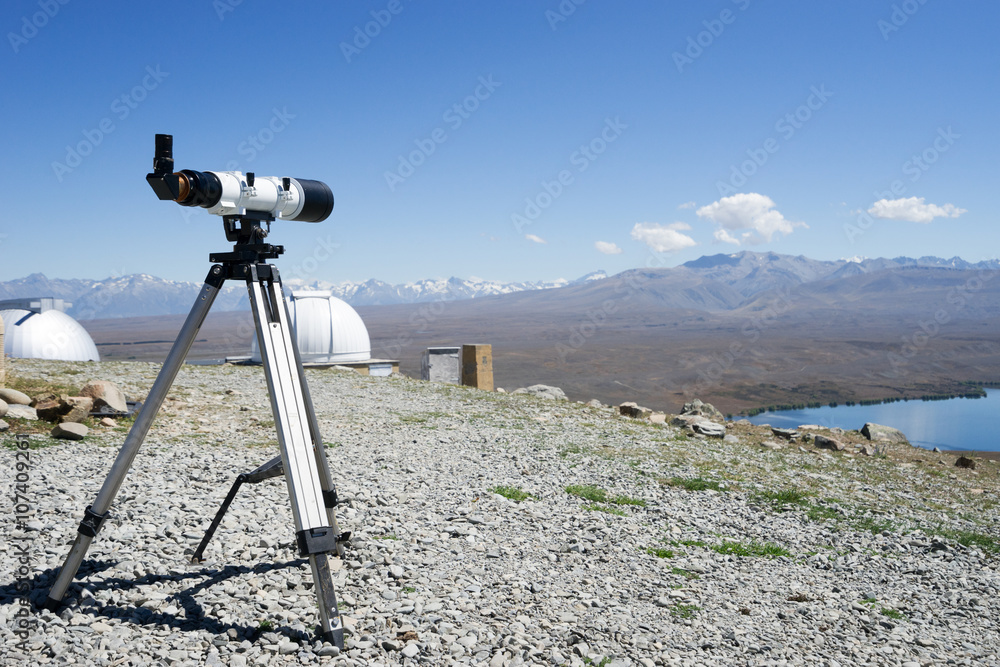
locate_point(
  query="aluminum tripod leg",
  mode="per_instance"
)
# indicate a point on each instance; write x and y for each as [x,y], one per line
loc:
[297,438]
[96,513]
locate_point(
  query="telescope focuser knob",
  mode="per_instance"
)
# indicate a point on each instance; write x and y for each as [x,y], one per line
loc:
[250,178]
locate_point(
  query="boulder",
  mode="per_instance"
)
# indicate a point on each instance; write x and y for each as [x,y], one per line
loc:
[630,409]
[966,462]
[594,403]
[883,433]
[14,397]
[710,429]
[3,407]
[543,391]
[686,420]
[19,411]
[786,433]
[70,431]
[658,418]
[707,410]
[50,409]
[108,421]
[79,409]
[4,426]
[105,395]
[865,450]
[824,442]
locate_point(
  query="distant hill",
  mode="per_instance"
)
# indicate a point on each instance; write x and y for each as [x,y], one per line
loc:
[141,295]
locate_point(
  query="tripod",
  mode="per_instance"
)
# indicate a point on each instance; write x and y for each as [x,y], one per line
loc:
[303,460]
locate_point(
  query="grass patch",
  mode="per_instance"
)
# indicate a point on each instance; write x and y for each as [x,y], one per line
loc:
[604,508]
[751,549]
[588,492]
[684,610]
[514,493]
[970,538]
[681,572]
[781,498]
[688,543]
[626,500]
[872,525]
[894,614]
[388,536]
[660,553]
[694,483]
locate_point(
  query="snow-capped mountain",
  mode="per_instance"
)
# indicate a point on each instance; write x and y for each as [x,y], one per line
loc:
[140,294]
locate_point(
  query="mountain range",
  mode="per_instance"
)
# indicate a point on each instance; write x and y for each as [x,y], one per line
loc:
[711,283]
[141,295]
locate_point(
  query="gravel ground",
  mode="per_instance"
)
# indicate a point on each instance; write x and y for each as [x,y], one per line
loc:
[611,541]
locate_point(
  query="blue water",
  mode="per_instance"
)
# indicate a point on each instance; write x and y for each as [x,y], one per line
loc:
[958,423]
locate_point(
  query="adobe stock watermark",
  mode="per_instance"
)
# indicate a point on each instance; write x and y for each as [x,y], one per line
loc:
[30,25]
[251,147]
[714,28]
[786,127]
[562,12]
[900,14]
[363,35]
[223,7]
[955,302]
[454,118]
[914,168]
[121,108]
[19,547]
[711,374]
[581,159]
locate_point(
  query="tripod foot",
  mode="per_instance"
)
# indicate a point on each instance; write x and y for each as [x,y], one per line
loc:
[53,605]
[335,637]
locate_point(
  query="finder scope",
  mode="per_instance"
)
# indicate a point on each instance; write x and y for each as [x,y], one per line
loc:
[232,193]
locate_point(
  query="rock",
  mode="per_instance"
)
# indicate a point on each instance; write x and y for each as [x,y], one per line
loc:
[21,411]
[770,444]
[3,407]
[630,409]
[886,433]
[79,408]
[70,431]
[786,433]
[14,397]
[865,450]
[594,403]
[686,420]
[107,421]
[49,409]
[658,418]
[824,442]
[4,426]
[966,462]
[710,429]
[706,410]
[543,391]
[411,651]
[105,394]
[501,390]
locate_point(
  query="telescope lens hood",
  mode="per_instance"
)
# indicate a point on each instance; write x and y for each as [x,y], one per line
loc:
[317,201]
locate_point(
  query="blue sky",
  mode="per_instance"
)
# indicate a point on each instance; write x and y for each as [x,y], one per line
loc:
[503,140]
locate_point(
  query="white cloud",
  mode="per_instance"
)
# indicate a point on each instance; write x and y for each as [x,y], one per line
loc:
[752,214]
[725,237]
[913,209]
[663,238]
[687,204]
[536,239]
[608,248]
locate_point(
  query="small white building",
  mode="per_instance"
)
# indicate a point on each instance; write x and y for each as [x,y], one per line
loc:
[327,330]
[40,329]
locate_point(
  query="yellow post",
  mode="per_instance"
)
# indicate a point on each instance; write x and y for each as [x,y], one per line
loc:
[477,366]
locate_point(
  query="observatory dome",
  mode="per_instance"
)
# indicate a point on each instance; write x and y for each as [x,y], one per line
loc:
[40,330]
[327,330]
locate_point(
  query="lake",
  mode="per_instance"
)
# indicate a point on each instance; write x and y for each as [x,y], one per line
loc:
[957,423]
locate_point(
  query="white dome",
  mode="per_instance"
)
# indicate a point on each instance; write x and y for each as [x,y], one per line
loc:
[51,334]
[327,330]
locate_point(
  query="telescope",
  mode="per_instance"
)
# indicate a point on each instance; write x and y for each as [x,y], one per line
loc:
[230,193]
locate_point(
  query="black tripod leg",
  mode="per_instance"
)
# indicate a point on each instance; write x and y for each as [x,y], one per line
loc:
[97,512]
[270,469]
